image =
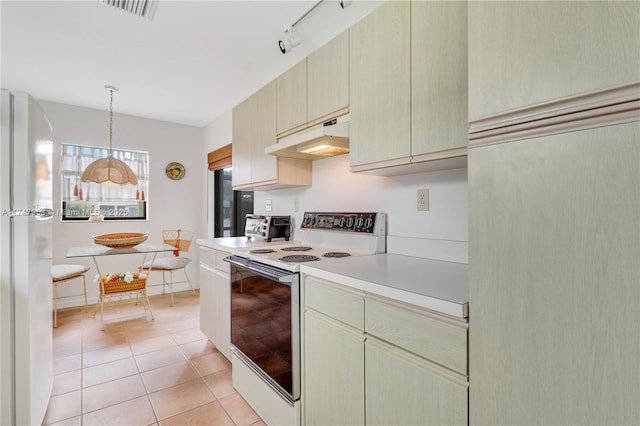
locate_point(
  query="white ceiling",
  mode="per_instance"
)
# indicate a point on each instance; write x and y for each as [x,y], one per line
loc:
[194,61]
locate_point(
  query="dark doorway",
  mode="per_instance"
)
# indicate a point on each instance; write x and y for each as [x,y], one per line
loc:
[230,206]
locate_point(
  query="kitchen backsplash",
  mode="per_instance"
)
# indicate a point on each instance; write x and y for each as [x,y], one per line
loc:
[440,233]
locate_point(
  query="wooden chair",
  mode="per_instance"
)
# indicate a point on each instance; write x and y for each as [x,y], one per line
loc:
[181,240]
[61,274]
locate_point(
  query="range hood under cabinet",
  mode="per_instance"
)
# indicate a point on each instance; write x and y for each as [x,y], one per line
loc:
[316,142]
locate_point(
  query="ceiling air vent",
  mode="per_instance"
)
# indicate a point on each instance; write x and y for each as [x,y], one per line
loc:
[142,8]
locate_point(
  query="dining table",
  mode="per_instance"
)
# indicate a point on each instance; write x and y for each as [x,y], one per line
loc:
[96,251]
[121,288]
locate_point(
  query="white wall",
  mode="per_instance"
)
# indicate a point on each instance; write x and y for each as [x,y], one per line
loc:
[441,233]
[216,135]
[172,204]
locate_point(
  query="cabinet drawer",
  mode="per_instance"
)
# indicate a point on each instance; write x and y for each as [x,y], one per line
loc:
[208,257]
[340,303]
[213,259]
[440,339]
[221,265]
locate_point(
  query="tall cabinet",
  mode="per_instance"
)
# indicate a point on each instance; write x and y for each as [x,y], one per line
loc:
[554,183]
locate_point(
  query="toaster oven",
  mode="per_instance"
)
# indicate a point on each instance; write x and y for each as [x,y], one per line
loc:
[259,227]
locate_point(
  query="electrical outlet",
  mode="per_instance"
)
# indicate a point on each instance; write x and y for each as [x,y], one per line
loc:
[296,205]
[267,205]
[423,200]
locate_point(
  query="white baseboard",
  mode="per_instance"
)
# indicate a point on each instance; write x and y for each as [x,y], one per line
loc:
[152,289]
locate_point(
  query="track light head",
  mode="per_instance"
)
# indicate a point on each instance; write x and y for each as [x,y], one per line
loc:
[344,3]
[288,42]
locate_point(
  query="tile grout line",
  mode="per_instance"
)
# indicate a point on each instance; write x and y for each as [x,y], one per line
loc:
[175,344]
[147,395]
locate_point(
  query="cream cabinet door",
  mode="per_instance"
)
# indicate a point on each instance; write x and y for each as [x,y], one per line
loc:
[263,125]
[328,78]
[403,389]
[291,97]
[380,86]
[222,313]
[438,76]
[333,371]
[241,146]
[208,302]
[556,326]
[254,128]
[529,52]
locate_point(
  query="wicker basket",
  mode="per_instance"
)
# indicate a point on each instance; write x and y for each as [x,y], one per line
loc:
[121,286]
[121,239]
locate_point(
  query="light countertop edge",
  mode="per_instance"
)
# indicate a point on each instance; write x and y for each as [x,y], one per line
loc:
[228,243]
[432,284]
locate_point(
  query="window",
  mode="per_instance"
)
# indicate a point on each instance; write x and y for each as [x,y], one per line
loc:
[230,206]
[80,200]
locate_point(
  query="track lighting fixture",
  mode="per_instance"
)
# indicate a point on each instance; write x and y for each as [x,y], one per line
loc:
[289,41]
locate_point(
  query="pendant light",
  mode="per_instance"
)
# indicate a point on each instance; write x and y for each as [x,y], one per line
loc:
[109,171]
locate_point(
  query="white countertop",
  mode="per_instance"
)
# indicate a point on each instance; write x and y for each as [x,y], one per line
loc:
[432,284]
[231,243]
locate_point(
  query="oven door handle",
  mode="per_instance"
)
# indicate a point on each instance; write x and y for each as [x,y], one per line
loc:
[289,279]
[283,276]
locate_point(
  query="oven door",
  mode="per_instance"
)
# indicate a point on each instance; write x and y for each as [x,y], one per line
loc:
[265,323]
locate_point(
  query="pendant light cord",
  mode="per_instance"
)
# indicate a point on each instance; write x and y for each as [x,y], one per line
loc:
[111,89]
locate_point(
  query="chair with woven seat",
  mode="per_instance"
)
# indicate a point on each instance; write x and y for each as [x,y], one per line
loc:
[64,273]
[181,240]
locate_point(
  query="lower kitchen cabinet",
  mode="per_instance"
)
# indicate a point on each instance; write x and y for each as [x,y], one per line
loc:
[215,296]
[405,389]
[371,360]
[333,354]
[207,302]
[334,372]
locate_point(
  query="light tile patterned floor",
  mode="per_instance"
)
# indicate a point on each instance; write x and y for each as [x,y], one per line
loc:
[141,372]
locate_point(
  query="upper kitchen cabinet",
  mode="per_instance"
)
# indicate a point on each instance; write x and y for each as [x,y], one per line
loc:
[254,128]
[316,89]
[328,79]
[439,100]
[409,88]
[380,88]
[291,97]
[554,50]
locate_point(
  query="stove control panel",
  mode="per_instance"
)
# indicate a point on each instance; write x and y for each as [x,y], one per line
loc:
[368,223]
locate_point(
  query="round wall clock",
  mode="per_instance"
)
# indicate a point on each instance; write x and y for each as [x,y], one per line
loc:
[175,171]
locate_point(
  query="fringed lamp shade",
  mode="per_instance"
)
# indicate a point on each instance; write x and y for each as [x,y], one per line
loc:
[109,171]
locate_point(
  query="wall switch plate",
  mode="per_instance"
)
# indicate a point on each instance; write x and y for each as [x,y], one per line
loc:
[423,200]
[267,205]
[296,205]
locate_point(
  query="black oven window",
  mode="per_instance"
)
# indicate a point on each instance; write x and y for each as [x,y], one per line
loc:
[230,207]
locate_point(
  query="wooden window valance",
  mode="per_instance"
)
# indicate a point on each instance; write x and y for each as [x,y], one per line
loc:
[220,158]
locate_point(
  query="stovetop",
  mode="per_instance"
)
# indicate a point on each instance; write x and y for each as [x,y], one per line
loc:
[323,237]
[290,255]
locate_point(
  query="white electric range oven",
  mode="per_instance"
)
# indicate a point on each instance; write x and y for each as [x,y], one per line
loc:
[265,291]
